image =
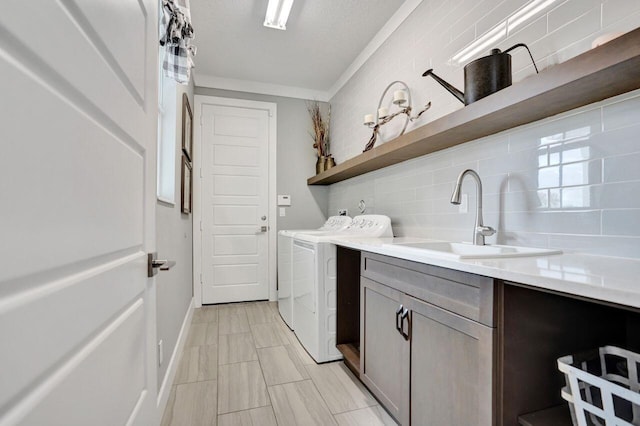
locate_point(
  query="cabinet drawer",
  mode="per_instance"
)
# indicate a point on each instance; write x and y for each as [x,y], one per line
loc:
[468,295]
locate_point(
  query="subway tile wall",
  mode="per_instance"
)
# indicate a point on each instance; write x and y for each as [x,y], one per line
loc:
[571,181]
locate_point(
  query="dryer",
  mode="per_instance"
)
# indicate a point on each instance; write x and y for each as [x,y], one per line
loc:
[314,283]
[285,253]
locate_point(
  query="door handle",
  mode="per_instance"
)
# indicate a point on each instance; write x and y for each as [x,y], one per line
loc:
[262,230]
[163,264]
[405,315]
[153,263]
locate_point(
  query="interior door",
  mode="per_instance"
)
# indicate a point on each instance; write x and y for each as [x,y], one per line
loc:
[77,195]
[234,203]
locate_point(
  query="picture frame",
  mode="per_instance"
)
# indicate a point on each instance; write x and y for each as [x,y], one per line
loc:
[187,128]
[186,186]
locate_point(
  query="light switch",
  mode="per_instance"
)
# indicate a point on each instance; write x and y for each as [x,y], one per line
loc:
[284,200]
[283,211]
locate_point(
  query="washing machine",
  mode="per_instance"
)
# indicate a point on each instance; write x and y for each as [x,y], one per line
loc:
[314,283]
[285,253]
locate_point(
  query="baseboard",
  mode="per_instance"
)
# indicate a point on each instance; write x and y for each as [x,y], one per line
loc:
[165,389]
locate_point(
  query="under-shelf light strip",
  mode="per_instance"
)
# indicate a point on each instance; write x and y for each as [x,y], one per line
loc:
[506,27]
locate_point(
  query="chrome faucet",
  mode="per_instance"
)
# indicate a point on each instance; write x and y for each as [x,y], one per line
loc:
[480,231]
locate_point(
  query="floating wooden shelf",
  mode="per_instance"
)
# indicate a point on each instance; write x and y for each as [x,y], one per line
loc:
[600,73]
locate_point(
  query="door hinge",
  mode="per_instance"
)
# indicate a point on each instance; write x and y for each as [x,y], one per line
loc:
[200,278]
[201,172]
[201,119]
[200,225]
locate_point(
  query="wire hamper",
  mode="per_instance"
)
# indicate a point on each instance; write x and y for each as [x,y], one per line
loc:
[602,387]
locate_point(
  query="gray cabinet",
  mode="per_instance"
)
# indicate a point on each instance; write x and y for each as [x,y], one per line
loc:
[382,348]
[427,342]
[450,367]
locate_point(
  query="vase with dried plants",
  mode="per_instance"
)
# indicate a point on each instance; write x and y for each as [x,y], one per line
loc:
[320,136]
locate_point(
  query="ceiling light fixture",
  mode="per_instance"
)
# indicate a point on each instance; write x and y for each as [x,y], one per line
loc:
[277,14]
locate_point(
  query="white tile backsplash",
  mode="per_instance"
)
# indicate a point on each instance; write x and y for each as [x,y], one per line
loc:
[621,114]
[622,195]
[496,13]
[621,222]
[570,11]
[622,168]
[570,181]
[626,246]
[614,11]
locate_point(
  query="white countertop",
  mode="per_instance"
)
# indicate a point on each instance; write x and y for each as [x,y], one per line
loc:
[608,279]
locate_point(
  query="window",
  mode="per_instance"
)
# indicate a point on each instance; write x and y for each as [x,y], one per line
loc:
[166,179]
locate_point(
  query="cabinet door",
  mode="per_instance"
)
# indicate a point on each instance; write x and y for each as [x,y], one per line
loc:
[451,377]
[382,347]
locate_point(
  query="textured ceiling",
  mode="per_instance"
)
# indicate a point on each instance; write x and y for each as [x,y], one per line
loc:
[322,38]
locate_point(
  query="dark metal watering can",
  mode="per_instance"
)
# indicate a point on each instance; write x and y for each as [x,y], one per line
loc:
[484,76]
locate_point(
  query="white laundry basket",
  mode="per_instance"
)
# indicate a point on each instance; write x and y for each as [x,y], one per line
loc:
[602,387]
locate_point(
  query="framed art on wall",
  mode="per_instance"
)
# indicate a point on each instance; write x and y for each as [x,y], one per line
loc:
[187,128]
[186,186]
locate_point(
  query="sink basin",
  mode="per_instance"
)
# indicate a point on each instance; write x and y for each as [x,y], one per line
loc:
[470,251]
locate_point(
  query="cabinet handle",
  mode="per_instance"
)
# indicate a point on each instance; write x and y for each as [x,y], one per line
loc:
[405,315]
[398,323]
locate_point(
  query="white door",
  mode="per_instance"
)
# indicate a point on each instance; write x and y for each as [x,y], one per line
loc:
[234,204]
[77,178]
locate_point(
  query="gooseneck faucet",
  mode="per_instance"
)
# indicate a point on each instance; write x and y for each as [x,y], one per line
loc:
[480,230]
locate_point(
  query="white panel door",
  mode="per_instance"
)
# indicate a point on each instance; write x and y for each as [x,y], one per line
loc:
[234,203]
[77,177]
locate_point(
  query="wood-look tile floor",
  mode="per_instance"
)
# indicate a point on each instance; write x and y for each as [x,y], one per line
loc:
[242,366]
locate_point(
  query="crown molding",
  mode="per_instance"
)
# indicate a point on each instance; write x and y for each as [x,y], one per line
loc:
[215,82]
[381,36]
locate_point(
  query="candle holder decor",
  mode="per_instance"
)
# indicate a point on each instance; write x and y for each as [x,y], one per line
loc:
[382,116]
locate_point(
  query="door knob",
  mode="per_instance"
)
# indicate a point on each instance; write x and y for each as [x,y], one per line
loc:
[262,229]
[263,218]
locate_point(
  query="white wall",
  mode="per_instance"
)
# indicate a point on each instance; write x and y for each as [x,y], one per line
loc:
[174,241]
[295,160]
[569,181]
